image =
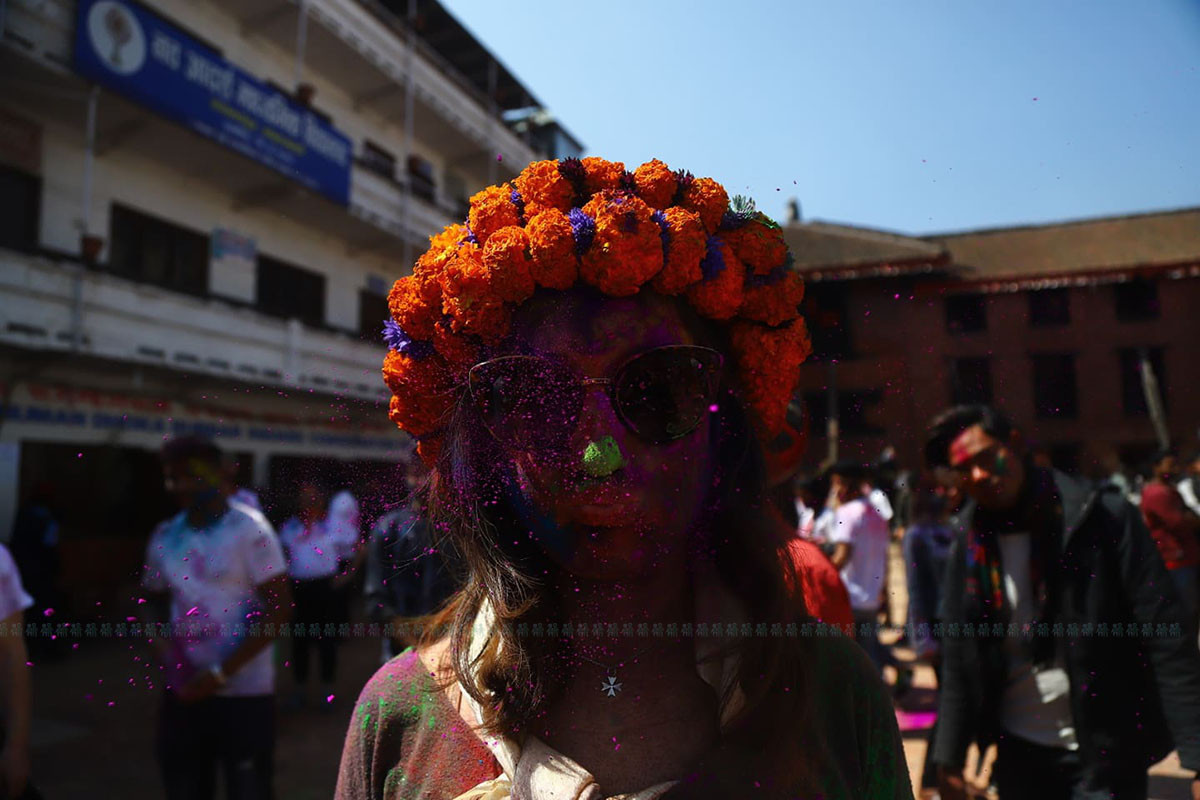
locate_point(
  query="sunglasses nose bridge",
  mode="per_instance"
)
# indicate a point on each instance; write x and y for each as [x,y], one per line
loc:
[597,414]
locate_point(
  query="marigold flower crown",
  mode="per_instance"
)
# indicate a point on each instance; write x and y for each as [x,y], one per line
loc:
[591,221]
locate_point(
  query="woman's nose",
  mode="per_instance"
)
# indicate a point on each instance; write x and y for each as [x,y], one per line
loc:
[597,419]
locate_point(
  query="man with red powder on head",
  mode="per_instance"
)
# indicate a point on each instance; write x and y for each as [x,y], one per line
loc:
[1175,530]
[1065,642]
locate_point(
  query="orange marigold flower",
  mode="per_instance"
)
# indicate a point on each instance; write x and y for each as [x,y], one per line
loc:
[441,247]
[449,239]
[506,256]
[553,249]
[602,174]
[415,303]
[685,249]
[773,303]
[426,375]
[720,296]
[459,351]
[470,298]
[708,199]
[492,209]
[543,187]
[759,245]
[626,250]
[656,183]
[768,365]
[417,415]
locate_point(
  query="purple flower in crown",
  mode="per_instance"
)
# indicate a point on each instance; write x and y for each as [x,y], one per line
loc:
[519,202]
[573,170]
[664,229]
[583,228]
[470,236]
[684,181]
[713,262]
[396,339]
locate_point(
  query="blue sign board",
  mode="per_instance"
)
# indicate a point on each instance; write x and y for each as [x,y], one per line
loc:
[134,52]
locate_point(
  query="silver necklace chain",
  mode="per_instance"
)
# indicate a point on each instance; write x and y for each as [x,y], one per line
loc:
[610,686]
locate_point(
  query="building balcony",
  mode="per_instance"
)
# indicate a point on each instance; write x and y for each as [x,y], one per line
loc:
[362,50]
[55,305]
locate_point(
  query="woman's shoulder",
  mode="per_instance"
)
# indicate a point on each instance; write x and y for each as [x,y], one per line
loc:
[855,717]
[407,739]
[398,691]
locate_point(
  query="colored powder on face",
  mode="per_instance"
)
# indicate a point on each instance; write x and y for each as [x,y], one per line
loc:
[1001,468]
[602,458]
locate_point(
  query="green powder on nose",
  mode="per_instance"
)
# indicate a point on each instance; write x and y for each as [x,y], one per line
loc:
[602,457]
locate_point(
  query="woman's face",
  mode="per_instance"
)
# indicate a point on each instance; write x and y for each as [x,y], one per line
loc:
[628,519]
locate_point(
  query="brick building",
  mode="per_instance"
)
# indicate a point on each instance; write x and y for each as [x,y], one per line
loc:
[1047,322]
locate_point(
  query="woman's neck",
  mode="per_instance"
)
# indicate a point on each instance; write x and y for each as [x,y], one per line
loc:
[630,690]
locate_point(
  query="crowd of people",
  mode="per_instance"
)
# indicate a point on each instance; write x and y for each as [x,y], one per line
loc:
[990,535]
[598,373]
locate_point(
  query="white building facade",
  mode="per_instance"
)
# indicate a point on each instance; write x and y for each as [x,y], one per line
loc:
[205,202]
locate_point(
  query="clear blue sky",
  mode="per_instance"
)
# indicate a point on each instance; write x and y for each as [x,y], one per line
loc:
[905,115]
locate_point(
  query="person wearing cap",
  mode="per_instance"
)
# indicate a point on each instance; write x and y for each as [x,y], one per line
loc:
[1065,643]
[592,367]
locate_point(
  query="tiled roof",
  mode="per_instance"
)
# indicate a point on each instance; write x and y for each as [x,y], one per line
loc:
[1167,240]
[825,251]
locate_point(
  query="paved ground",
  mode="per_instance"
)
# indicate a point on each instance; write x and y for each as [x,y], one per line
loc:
[94,725]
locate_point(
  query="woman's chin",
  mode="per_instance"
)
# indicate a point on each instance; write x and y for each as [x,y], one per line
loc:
[608,554]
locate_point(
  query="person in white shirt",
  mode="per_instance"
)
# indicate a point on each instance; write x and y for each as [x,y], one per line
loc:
[215,573]
[16,697]
[1189,486]
[860,537]
[321,541]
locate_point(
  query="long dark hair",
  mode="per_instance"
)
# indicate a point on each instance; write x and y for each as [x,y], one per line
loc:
[743,535]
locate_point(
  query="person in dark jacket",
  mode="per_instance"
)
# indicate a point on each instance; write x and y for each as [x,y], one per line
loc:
[1064,635]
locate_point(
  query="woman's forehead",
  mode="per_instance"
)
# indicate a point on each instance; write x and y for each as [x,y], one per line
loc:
[577,323]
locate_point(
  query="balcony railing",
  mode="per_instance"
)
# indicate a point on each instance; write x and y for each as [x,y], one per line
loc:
[48,304]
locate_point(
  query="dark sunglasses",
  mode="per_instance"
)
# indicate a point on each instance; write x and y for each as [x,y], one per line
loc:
[531,402]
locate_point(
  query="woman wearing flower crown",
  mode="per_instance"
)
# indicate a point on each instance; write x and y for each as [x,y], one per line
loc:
[592,367]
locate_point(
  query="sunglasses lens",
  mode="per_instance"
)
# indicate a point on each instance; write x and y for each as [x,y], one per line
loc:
[664,394]
[526,401]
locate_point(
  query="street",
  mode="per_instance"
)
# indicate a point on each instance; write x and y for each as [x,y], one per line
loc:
[94,717]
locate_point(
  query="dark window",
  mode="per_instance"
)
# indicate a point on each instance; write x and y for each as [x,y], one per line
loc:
[372,311]
[1133,391]
[152,250]
[853,412]
[284,290]
[20,197]
[1136,300]
[966,313]
[828,321]
[1049,307]
[420,176]
[971,381]
[378,160]
[1054,391]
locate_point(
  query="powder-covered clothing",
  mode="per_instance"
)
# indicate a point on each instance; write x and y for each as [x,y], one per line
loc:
[212,576]
[316,549]
[13,597]
[1036,703]
[406,741]
[858,523]
[824,594]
